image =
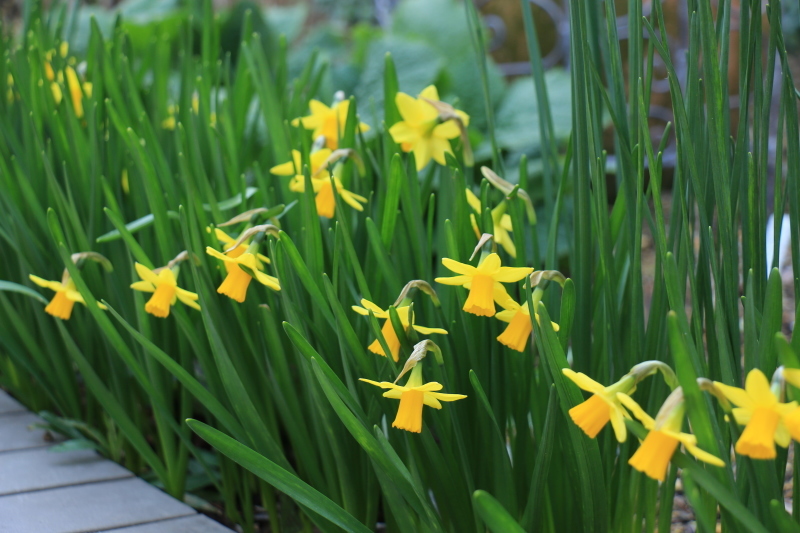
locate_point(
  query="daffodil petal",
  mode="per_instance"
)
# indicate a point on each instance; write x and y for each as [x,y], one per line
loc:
[491,265]
[629,403]
[459,268]
[144,286]
[430,331]
[511,274]
[737,396]
[618,424]
[583,381]
[455,280]
[52,285]
[757,387]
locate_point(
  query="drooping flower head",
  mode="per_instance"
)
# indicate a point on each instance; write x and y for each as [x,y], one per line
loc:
[163,284]
[322,181]
[412,397]
[519,329]
[328,122]
[602,406]
[763,415]
[482,281]
[246,267]
[422,131]
[406,317]
[500,220]
[64,300]
[653,456]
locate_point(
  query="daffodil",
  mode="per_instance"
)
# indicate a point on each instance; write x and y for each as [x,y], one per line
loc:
[322,181]
[653,456]
[519,329]
[246,267]
[602,406]
[412,397]
[500,220]
[327,121]
[482,281]
[227,241]
[77,90]
[421,131]
[164,286]
[762,414]
[406,318]
[64,300]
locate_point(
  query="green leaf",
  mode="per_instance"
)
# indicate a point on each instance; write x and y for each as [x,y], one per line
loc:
[276,476]
[10,286]
[493,514]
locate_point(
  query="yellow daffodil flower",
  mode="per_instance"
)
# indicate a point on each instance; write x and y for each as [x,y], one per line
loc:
[412,397]
[324,200]
[500,220]
[238,279]
[164,286]
[63,49]
[406,318]
[602,406]
[10,85]
[421,131]
[482,280]
[762,414]
[327,121]
[519,329]
[228,241]
[653,456]
[64,300]
[76,90]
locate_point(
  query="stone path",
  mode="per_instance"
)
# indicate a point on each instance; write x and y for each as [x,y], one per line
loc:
[78,491]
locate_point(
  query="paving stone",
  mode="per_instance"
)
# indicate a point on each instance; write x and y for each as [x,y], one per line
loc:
[90,507]
[190,524]
[39,468]
[9,404]
[15,435]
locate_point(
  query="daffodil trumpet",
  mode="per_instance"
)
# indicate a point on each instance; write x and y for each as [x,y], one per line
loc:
[663,437]
[413,396]
[767,420]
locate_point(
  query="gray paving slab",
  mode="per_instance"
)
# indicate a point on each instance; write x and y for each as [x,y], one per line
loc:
[16,435]
[39,468]
[90,507]
[9,404]
[190,524]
